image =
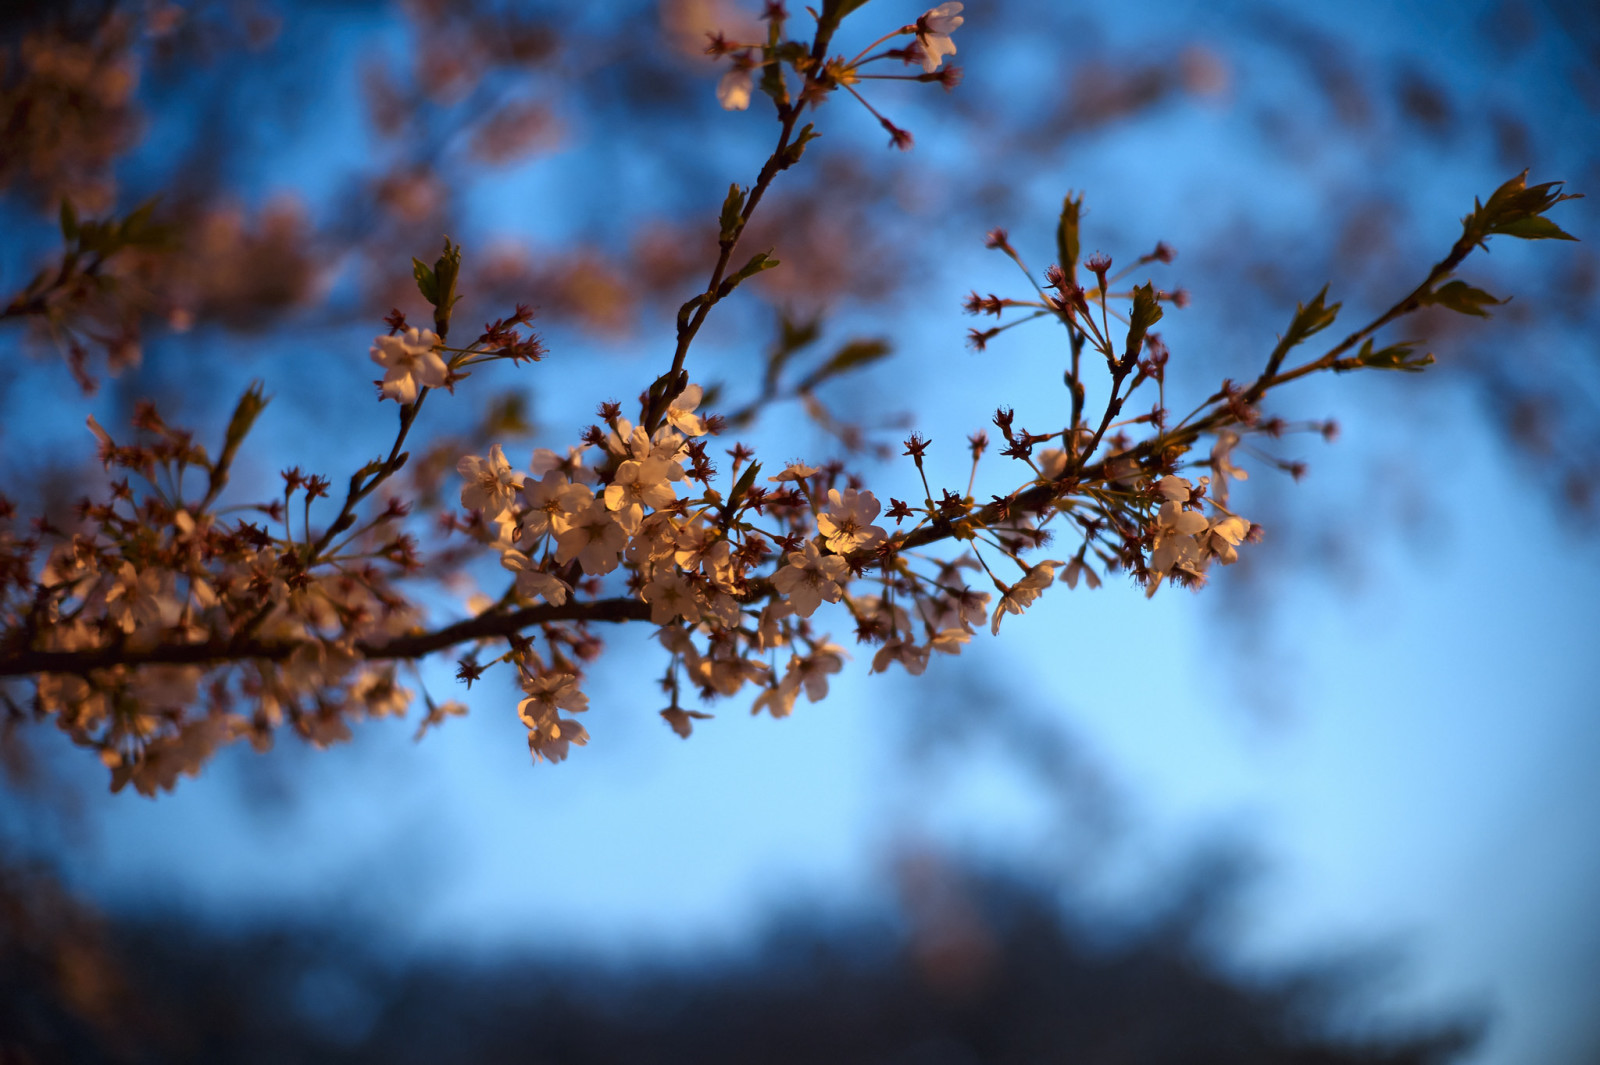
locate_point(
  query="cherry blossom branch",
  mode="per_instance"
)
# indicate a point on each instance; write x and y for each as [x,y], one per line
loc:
[489,625]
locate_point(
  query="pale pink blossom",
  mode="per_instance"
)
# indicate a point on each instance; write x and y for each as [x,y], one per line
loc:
[846,522]
[409,359]
[490,484]
[810,578]
[1018,597]
[933,41]
[733,91]
[593,537]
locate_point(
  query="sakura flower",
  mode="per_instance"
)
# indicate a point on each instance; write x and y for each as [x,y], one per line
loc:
[1174,489]
[906,652]
[533,582]
[593,537]
[545,461]
[1174,544]
[546,694]
[409,359]
[777,700]
[809,579]
[681,413]
[846,522]
[811,672]
[491,483]
[554,742]
[795,471]
[547,501]
[933,36]
[733,91]
[1076,569]
[682,721]
[670,597]
[1225,537]
[639,485]
[1018,597]
[1052,463]
[1222,462]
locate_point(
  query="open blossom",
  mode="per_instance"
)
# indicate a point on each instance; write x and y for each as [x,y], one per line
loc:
[553,742]
[533,582]
[809,578]
[846,522]
[409,359]
[733,91]
[1222,462]
[1052,463]
[547,693]
[933,36]
[795,471]
[571,466]
[906,652]
[593,537]
[681,415]
[546,502]
[1225,537]
[640,484]
[491,484]
[670,598]
[1175,545]
[550,735]
[1018,597]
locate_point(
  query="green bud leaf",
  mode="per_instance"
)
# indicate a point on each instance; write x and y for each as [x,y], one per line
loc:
[758,262]
[1146,313]
[1462,297]
[732,207]
[1516,210]
[427,284]
[245,412]
[69,221]
[746,479]
[792,152]
[1311,318]
[852,356]
[1067,247]
[1394,357]
[792,337]
[446,269]
[1534,228]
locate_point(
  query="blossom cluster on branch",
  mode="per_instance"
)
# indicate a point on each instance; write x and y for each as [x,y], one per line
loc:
[172,619]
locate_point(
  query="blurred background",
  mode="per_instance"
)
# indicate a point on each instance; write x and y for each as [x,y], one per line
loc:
[1338,807]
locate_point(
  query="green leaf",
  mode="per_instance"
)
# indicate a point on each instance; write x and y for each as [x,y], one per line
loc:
[834,12]
[1534,228]
[1461,297]
[792,336]
[758,262]
[1394,357]
[427,284]
[446,269]
[1516,210]
[1311,318]
[69,221]
[245,412]
[731,210]
[1067,247]
[792,153]
[853,355]
[1146,313]
[746,479]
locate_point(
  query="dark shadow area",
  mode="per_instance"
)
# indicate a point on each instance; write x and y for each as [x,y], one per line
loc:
[967,967]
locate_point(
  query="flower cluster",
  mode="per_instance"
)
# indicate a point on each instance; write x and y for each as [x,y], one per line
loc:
[170,620]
